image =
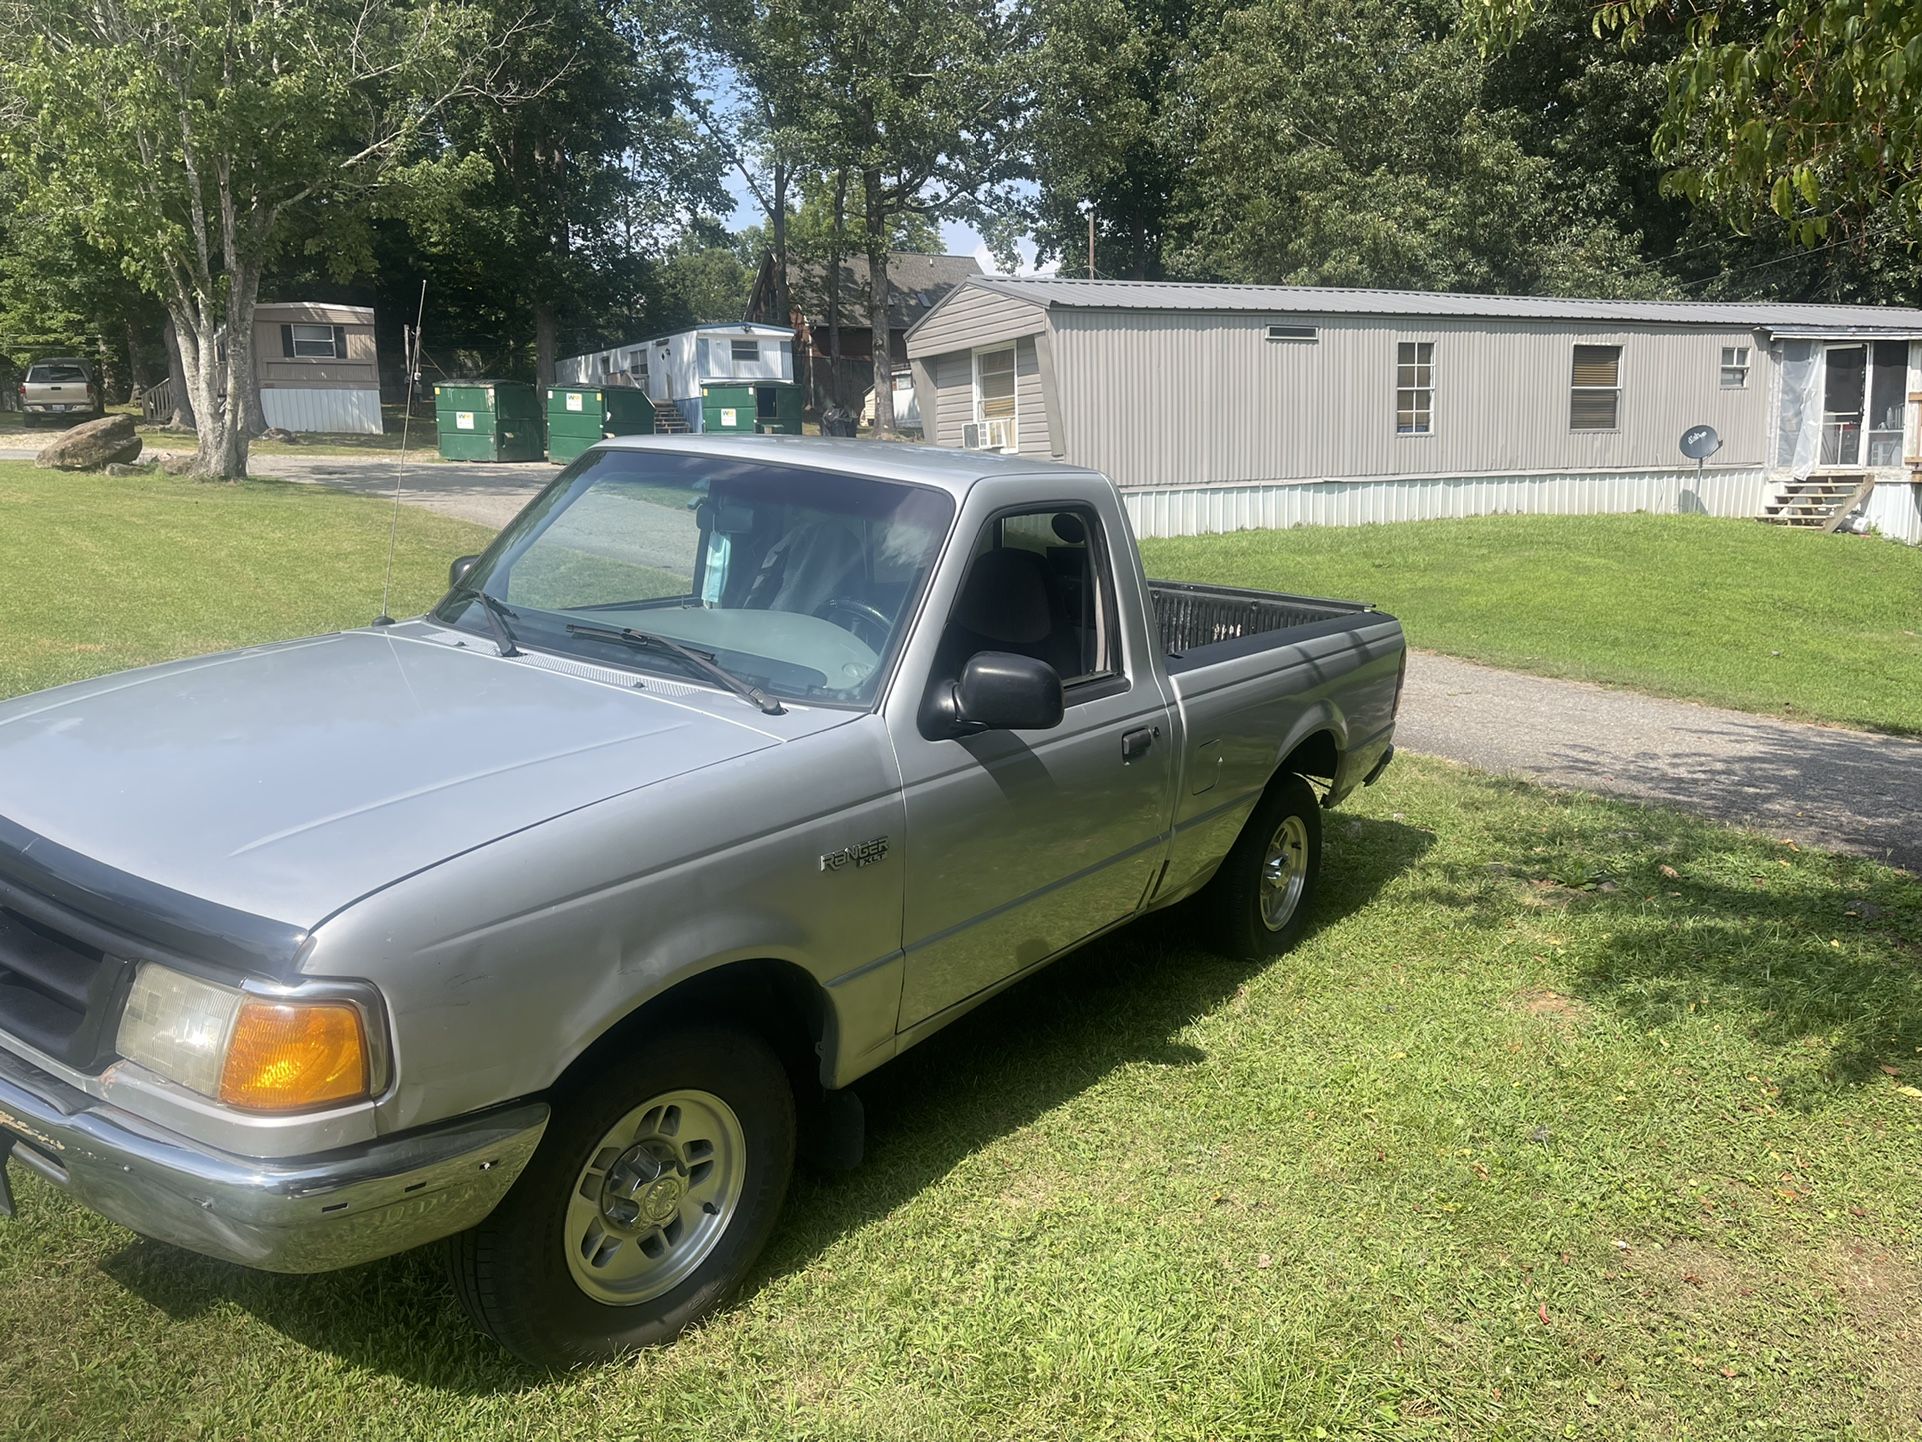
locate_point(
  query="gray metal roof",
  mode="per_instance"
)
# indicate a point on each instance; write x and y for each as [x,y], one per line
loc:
[1321,300]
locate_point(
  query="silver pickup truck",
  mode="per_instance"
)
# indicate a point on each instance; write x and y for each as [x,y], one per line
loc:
[557,921]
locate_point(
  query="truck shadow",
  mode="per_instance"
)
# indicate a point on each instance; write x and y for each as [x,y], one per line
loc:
[1120,1002]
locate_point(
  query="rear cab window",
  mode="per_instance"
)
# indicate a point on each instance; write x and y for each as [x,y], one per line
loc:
[45,374]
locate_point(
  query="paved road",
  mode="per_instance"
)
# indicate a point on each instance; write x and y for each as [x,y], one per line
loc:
[1846,790]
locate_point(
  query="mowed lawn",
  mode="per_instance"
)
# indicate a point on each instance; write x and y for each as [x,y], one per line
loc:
[1570,1119]
[98,574]
[1806,627]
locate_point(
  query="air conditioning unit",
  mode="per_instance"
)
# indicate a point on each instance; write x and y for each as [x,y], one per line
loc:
[988,435]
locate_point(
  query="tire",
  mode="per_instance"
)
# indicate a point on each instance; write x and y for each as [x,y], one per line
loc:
[1252,918]
[574,1266]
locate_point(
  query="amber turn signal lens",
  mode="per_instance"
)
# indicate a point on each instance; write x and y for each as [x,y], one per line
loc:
[285,1056]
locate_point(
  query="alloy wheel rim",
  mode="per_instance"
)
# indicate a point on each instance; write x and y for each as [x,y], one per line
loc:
[1284,873]
[655,1197]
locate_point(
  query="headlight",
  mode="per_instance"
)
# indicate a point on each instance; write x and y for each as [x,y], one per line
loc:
[270,1054]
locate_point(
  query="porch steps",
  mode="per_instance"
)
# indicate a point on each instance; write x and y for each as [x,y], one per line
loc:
[668,420]
[1820,503]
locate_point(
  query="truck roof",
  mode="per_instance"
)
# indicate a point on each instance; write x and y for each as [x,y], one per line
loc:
[950,470]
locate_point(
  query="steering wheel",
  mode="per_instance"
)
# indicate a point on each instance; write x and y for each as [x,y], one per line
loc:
[848,614]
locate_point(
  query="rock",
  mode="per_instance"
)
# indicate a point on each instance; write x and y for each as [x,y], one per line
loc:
[90,446]
[275,433]
[177,463]
[122,468]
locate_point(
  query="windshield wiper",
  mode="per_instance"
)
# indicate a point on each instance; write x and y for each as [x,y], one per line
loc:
[699,660]
[497,616]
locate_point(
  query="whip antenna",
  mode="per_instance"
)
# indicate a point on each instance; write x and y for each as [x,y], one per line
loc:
[410,357]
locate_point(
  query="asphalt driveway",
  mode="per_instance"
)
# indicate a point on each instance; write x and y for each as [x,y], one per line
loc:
[1825,786]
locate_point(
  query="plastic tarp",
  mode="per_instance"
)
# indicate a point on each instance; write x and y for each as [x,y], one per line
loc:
[1798,430]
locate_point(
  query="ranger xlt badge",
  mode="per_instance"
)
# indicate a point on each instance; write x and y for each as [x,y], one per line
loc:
[862,853]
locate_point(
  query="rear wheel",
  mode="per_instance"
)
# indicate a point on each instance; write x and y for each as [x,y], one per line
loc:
[1260,899]
[656,1187]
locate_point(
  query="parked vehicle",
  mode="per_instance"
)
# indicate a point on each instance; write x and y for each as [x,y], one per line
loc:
[63,386]
[560,919]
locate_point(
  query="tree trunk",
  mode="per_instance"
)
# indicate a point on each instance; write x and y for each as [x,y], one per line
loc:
[136,367]
[783,307]
[837,250]
[545,328]
[877,244]
[182,416]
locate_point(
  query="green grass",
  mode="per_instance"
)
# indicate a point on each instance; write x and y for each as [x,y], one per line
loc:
[1571,1119]
[98,574]
[1808,627]
[14,431]
[1531,1138]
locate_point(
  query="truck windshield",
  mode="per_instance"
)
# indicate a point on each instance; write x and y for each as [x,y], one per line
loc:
[799,582]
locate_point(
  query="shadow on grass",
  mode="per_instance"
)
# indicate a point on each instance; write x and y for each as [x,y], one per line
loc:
[1797,949]
[1118,1002]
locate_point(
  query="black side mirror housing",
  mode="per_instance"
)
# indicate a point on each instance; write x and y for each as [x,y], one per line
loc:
[457,572]
[1003,691]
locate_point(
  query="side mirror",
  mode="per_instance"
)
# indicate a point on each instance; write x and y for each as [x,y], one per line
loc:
[457,572]
[1001,691]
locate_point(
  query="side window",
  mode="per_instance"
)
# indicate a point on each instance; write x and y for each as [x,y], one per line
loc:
[1037,585]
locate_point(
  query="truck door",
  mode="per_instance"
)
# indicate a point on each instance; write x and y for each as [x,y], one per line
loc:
[1021,843]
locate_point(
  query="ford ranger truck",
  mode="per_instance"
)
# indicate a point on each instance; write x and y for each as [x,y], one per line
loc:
[554,923]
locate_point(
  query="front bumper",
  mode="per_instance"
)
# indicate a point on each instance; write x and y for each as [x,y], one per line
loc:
[307,1214]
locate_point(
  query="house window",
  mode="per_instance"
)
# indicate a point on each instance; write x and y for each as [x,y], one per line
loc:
[316,342]
[748,351]
[1734,367]
[1595,390]
[1292,332]
[994,400]
[1414,388]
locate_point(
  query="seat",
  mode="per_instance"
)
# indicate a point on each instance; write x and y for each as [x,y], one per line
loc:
[1008,604]
[808,567]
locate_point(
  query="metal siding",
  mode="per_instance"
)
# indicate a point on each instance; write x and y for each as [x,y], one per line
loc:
[1895,510]
[1030,407]
[1155,399]
[971,316]
[1204,511]
[322,412]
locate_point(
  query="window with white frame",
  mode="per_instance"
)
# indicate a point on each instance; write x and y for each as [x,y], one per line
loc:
[994,395]
[1414,388]
[1734,367]
[1595,388]
[314,342]
[748,351]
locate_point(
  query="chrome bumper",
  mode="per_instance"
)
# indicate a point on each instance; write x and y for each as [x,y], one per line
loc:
[307,1214]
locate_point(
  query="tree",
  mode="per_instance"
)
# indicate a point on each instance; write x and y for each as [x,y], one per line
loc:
[1808,111]
[1346,142]
[1104,129]
[924,105]
[179,136]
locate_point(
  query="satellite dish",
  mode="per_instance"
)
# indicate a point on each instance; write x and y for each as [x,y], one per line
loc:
[1700,442]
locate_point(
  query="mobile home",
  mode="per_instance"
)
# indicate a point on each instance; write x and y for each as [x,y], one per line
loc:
[317,368]
[1222,407]
[729,378]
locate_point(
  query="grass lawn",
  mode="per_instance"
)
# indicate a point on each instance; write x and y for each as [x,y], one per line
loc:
[1573,1119]
[1807,627]
[98,574]
[14,431]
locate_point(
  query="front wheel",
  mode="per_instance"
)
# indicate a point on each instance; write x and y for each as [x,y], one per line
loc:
[1260,899]
[657,1185]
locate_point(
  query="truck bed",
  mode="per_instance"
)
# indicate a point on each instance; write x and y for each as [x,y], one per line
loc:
[1199,624]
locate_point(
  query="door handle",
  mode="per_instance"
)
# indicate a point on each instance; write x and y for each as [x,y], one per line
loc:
[1136,743]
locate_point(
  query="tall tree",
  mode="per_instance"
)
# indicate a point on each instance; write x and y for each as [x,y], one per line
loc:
[1809,111]
[925,103]
[179,135]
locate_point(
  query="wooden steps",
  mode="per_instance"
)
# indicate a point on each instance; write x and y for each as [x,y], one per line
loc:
[1820,503]
[668,420]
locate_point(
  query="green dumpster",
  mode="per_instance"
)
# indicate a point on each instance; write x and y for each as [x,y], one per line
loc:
[578,416]
[488,421]
[771,408]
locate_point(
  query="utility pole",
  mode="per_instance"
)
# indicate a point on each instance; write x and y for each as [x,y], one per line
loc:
[1091,275]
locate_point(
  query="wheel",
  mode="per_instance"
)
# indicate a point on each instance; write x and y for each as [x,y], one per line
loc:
[1261,897]
[653,1192]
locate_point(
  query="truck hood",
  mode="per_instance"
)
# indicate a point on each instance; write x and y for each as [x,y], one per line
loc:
[287,781]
